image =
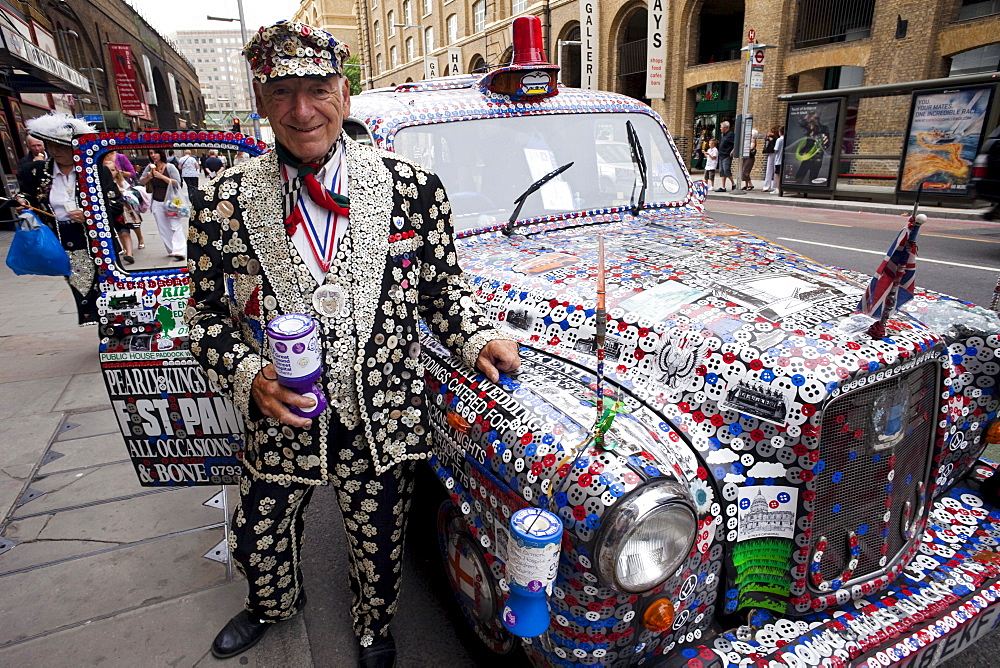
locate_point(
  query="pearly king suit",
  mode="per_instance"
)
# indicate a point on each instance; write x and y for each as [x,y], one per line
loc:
[396,263]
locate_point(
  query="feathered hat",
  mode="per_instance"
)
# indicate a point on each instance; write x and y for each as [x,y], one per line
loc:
[58,128]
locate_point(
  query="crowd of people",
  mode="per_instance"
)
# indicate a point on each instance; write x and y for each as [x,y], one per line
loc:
[718,155]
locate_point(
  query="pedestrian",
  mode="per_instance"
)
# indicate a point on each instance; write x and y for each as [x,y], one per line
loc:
[212,164]
[779,148]
[133,217]
[189,172]
[278,236]
[122,224]
[770,156]
[711,161]
[36,151]
[726,146]
[747,163]
[52,186]
[158,177]
[172,159]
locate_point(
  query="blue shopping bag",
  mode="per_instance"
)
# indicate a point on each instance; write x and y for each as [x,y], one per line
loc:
[36,250]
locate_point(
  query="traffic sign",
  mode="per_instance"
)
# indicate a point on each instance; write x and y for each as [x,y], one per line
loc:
[93,118]
[758,56]
[752,36]
[254,116]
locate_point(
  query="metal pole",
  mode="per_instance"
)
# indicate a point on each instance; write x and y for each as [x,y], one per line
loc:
[253,98]
[97,92]
[225,532]
[746,105]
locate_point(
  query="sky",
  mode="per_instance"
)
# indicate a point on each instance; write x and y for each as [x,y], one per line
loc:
[169,16]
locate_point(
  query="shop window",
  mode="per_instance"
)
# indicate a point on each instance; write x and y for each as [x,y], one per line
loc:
[720,31]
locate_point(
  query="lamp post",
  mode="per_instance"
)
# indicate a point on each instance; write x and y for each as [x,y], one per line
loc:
[97,92]
[253,98]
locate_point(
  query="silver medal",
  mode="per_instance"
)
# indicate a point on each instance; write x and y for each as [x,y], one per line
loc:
[328,299]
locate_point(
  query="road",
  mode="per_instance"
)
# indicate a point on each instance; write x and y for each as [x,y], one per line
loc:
[956,257]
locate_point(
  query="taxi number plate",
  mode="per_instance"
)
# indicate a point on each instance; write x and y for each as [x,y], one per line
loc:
[955,642]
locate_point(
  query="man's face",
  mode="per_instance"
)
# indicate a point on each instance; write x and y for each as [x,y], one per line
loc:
[35,145]
[306,113]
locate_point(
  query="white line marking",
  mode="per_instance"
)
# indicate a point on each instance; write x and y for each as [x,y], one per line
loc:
[871,252]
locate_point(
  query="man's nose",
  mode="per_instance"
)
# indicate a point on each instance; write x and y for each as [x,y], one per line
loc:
[302,105]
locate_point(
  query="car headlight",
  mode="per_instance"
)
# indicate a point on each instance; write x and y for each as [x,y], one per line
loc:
[646,537]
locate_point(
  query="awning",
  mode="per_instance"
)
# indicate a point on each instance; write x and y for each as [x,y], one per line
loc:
[35,71]
[901,88]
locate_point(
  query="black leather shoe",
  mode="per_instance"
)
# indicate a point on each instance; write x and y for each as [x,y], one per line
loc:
[240,634]
[244,631]
[380,654]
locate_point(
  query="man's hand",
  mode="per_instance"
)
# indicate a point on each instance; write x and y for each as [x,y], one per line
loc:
[76,215]
[271,398]
[496,356]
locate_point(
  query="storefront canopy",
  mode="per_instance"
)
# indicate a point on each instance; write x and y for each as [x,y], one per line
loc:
[32,70]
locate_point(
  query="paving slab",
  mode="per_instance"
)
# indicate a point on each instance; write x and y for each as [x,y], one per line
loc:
[10,492]
[88,423]
[84,391]
[30,397]
[90,451]
[62,490]
[48,354]
[177,632]
[83,589]
[41,552]
[50,322]
[134,519]
[22,441]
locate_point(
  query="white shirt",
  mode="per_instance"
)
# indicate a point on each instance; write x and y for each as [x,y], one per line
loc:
[320,217]
[189,166]
[61,196]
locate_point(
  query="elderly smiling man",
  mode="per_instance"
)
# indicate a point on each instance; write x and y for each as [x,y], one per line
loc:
[361,241]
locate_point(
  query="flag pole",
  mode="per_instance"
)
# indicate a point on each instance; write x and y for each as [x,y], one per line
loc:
[877,329]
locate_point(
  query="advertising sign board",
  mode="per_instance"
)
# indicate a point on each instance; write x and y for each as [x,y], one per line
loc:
[942,139]
[656,51]
[810,145]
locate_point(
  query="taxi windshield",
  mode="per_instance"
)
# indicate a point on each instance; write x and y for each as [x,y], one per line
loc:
[485,164]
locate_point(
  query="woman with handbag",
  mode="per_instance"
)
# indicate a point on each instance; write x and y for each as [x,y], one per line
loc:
[133,215]
[158,177]
[124,224]
[52,186]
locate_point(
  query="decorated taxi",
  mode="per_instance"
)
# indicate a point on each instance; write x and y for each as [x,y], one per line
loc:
[716,452]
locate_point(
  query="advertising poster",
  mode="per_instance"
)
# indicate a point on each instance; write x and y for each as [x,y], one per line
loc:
[178,429]
[129,93]
[944,135]
[810,142]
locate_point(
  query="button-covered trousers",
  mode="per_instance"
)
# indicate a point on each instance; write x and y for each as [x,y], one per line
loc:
[266,537]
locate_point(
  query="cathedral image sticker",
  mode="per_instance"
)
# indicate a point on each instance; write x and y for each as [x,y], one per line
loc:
[767,512]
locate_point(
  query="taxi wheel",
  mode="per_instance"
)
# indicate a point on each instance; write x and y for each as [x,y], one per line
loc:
[475,589]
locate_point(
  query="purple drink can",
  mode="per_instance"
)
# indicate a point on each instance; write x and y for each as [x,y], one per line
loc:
[295,350]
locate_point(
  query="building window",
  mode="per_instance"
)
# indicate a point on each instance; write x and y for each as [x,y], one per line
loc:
[407,12]
[428,7]
[378,33]
[830,21]
[479,16]
[393,57]
[518,6]
[976,61]
[843,76]
[972,9]
[428,40]
[378,63]
[390,18]
[452,23]
[410,55]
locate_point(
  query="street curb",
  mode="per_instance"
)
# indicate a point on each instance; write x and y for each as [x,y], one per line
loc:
[286,645]
[849,205]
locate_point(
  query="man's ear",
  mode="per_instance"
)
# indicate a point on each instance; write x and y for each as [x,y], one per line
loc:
[346,86]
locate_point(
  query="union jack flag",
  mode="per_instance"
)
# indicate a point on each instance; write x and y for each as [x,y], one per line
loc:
[898,270]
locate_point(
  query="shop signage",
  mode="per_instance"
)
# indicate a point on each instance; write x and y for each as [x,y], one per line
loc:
[430,67]
[588,44]
[656,51]
[454,61]
[24,50]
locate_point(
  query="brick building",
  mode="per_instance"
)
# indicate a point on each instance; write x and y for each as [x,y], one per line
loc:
[819,44]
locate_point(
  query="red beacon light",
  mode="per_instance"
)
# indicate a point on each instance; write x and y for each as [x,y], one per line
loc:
[530,75]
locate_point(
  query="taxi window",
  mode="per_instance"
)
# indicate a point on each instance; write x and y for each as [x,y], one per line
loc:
[485,164]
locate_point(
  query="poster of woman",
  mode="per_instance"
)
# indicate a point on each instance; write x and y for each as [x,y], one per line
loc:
[943,137]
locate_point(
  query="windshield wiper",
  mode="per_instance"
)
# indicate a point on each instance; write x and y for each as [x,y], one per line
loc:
[532,188]
[639,159]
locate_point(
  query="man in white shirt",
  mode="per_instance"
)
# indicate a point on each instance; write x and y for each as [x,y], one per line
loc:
[189,167]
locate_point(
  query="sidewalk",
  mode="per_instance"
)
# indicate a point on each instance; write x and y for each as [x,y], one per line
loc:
[95,569]
[867,199]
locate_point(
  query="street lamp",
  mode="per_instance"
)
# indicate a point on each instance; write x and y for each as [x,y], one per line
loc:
[97,91]
[243,34]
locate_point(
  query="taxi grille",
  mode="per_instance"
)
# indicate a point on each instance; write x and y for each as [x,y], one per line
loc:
[868,485]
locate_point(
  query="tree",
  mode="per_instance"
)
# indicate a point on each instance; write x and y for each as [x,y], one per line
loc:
[353,72]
